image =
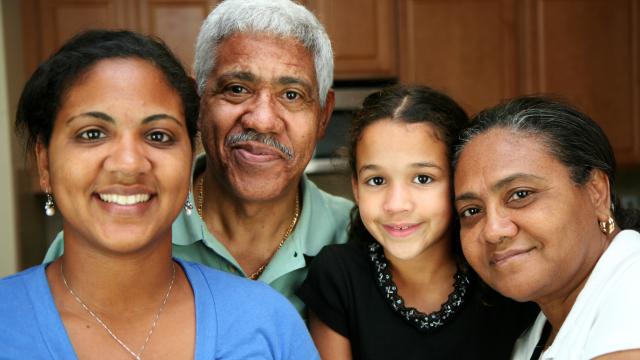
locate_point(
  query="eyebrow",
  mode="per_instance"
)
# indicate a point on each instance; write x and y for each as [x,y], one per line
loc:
[418,165]
[104,117]
[235,75]
[250,77]
[156,117]
[426,164]
[499,185]
[95,114]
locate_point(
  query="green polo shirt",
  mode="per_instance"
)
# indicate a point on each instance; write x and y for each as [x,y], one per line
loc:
[323,221]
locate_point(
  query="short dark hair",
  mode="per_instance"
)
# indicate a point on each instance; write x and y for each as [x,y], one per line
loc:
[570,136]
[44,92]
[408,104]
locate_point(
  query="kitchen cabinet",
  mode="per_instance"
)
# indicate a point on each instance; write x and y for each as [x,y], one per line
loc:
[483,51]
[48,24]
[465,48]
[478,51]
[589,52]
[363,34]
[176,22]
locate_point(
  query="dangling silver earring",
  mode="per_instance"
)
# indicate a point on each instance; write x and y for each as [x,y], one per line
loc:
[49,208]
[188,207]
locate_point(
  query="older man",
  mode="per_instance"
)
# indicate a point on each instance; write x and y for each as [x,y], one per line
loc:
[264,69]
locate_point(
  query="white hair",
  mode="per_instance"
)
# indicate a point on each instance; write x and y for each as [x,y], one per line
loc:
[282,18]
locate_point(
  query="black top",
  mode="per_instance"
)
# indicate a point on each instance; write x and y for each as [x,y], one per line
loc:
[340,289]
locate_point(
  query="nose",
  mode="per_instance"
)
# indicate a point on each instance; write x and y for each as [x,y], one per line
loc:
[128,158]
[397,199]
[498,226]
[263,115]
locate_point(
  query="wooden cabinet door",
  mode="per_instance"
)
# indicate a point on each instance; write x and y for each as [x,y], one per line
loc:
[588,51]
[177,22]
[48,24]
[363,35]
[464,47]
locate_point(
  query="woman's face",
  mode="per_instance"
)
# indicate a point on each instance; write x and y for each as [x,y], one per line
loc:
[119,158]
[527,229]
[402,187]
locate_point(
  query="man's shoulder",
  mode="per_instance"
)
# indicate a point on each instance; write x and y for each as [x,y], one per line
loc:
[324,220]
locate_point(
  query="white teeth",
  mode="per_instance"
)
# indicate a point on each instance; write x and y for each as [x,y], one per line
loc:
[124,199]
[405,227]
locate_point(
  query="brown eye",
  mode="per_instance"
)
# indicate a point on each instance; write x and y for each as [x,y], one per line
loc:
[159,137]
[236,89]
[291,95]
[375,181]
[520,194]
[92,134]
[422,179]
[469,212]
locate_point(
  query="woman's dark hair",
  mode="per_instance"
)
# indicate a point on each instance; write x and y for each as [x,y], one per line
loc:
[44,92]
[407,104]
[569,135]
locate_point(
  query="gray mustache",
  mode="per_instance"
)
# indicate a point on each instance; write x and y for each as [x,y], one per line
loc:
[261,138]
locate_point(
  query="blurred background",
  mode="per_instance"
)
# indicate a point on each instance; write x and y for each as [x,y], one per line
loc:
[478,51]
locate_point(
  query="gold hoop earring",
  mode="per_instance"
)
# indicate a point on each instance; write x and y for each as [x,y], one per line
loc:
[607,227]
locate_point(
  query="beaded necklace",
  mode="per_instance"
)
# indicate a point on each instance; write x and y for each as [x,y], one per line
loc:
[421,321]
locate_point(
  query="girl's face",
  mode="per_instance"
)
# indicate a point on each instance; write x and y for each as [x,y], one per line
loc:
[402,187]
[119,158]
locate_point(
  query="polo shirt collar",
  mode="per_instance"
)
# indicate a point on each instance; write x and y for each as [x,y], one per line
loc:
[304,240]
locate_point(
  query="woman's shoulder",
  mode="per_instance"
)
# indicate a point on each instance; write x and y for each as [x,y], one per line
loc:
[26,307]
[233,296]
[242,312]
[221,283]
[15,283]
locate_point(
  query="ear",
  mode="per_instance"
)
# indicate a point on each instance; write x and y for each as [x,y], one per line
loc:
[325,114]
[42,159]
[354,188]
[599,191]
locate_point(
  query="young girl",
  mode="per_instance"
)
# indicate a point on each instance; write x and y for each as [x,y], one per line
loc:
[400,288]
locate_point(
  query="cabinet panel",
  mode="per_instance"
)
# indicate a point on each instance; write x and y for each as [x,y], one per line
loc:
[177,22]
[587,51]
[363,35]
[63,19]
[466,48]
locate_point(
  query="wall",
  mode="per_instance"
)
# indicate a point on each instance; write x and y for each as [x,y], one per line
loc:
[8,236]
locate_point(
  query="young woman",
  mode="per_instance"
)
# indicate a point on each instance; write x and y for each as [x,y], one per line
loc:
[400,288]
[540,221]
[112,119]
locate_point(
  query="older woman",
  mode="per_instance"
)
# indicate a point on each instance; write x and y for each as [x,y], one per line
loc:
[540,221]
[112,119]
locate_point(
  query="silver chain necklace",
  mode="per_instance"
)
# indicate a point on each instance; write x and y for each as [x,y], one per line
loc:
[137,356]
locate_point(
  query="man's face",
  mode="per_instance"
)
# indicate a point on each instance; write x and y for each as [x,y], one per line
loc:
[260,116]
